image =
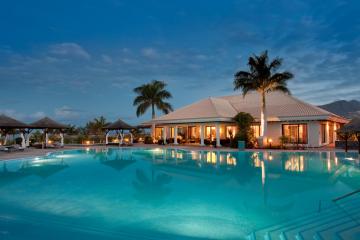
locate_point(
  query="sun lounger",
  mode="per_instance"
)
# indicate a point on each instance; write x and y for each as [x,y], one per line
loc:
[4,149]
[16,147]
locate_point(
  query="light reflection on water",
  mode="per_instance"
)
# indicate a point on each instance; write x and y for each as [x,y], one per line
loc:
[174,191]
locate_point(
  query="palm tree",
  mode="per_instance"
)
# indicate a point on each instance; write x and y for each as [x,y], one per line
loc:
[263,78]
[152,95]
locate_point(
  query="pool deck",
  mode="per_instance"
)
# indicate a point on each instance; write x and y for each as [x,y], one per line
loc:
[33,152]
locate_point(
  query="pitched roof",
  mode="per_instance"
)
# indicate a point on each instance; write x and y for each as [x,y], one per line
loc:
[351,127]
[119,124]
[47,123]
[8,122]
[280,107]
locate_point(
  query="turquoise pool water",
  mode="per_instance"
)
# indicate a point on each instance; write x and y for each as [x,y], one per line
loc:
[166,194]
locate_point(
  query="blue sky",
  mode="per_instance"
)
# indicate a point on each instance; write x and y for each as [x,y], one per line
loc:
[75,60]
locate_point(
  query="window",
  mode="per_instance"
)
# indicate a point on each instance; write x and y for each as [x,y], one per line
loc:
[296,133]
[230,131]
[210,132]
[256,130]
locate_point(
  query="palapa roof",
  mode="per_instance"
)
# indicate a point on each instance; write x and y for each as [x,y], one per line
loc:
[351,127]
[280,107]
[8,122]
[47,123]
[117,125]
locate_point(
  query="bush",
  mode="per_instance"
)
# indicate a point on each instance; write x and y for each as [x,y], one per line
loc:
[225,142]
[161,142]
[148,140]
[283,140]
[18,140]
[245,133]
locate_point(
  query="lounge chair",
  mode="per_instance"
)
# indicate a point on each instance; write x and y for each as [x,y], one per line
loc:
[16,147]
[4,149]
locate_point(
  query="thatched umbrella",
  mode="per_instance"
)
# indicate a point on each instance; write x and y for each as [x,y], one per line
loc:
[47,123]
[118,126]
[350,129]
[7,124]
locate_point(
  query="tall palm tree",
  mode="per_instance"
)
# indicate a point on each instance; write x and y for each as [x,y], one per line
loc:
[152,95]
[263,78]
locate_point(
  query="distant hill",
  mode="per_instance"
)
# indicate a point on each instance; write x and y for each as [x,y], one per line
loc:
[344,108]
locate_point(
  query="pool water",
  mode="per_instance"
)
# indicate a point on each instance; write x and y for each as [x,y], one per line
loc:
[133,193]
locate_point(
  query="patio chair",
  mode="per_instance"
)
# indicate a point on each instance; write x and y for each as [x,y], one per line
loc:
[4,149]
[17,147]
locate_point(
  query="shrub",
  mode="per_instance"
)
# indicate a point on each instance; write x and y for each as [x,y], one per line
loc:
[245,133]
[283,140]
[18,140]
[148,140]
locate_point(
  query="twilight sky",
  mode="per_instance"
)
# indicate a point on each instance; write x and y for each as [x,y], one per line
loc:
[75,60]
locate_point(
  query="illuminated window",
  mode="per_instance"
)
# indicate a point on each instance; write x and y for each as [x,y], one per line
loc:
[295,164]
[194,132]
[210,132]
[158,133]
[256,130]
[230,131]
[296,133]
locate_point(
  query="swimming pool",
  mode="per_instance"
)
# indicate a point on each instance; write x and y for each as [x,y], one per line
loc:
[133,193]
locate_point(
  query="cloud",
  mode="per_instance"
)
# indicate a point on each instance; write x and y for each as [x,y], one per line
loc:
[149,52]
[69,49]
[38,115]
[66,113]
[106,58]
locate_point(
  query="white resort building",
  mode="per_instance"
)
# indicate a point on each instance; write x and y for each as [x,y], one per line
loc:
[210,120]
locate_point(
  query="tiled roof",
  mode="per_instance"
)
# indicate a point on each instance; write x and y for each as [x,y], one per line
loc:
[279,106]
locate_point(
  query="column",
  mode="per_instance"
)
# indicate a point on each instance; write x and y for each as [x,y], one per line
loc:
[121,138]
[202,134]
[46,139]
[164,134]
[23,143]
[27,141]
[217,128]
[153,130]
[61,139]
[175,134]
[6,138]
[131,138]
[107,138]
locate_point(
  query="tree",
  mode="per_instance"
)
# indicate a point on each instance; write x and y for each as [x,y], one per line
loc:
[152,95]
[96,126]
[263,78]
[244,133]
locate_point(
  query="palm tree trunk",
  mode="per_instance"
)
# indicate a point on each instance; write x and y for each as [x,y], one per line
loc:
[263,116]
[153,117]
[153,111]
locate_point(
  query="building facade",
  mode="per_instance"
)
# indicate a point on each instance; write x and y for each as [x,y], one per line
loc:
[210,121]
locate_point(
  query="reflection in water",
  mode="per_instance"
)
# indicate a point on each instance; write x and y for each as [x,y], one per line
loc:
[151,188]
[8,177]
[44,167]
[115,159]
[295,163]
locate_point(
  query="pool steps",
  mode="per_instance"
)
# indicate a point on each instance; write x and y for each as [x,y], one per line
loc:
[339,221]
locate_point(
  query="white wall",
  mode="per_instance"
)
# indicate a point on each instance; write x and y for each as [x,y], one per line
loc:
[314,140]
[274,132]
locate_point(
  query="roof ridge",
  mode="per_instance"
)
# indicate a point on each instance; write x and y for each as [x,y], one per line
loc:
[223,100]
